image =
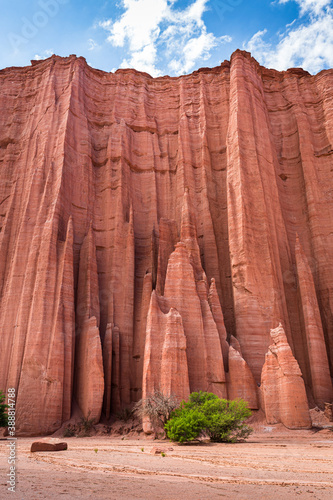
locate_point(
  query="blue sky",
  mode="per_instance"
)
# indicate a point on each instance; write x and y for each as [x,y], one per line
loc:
[168,36]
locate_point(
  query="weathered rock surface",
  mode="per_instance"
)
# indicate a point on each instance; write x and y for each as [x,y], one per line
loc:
[282,385]
[115,201]
[319,419]
[89,381]
[319,368]
[107,364]
[89,374]
[48,445]
[174,370]
[241,383]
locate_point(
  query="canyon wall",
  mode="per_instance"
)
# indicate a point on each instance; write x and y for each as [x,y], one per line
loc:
[154,233]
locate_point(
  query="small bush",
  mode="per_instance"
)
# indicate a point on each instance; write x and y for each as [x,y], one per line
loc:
[125,414]
[86,424]
[157,408]
[205,414]
[185,426]
[3,411]
[69,432]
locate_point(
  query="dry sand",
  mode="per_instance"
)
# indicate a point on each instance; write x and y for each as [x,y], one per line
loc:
[271,465]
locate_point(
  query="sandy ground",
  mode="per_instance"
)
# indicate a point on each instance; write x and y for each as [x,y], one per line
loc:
[287,465]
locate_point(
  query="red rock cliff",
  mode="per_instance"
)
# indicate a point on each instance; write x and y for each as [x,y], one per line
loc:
[123,197]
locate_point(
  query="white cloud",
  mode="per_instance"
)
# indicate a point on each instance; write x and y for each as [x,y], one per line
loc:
[92,45]
[143,59]
[139,24]
[310,6]
[194,49]
[257,44]
[308,44]
[46,54]
[151,28]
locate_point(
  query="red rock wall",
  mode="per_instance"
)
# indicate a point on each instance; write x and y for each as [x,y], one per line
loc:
[81,149]
[282,385]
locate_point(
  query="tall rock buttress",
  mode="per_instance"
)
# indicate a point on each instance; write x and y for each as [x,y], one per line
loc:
[242,141]
[282,385]
[319,367]
[89,373]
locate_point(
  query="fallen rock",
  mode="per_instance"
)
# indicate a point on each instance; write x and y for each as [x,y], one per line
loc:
[319,419]
[49,445]
[328,412]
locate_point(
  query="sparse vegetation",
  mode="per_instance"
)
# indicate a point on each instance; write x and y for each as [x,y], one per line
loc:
[162,454]
[125,414]
[157,408]
[86,423]
[95,450]
[3,411]
[69,431]
[205,414]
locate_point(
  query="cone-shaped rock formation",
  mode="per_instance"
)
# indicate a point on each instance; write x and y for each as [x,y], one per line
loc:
[282,385]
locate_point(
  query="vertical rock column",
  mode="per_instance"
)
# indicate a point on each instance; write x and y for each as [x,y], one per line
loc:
[165,359]
[174,371]
[89,375]
[216,309]
[180,292]
[241,383]
[107,362]
[283,387]
[318,360]
[216,381]
[254,216]
[47,367]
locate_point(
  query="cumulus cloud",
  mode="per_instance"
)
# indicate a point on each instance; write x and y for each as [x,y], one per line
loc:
[156,33]
[45,55]
[195,49]
[143,59]
[310,6]
[307,43]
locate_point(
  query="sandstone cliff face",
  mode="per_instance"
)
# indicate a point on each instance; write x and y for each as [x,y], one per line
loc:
[319,367]
[282,386]
[159,218]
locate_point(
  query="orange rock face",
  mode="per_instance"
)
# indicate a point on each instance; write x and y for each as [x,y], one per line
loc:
[282,385]
[241,383]
[319,367]
[153,221]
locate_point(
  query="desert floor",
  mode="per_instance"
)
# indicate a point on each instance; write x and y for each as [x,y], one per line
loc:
[284,465]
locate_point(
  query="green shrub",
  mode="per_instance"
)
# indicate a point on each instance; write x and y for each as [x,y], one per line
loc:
[3,411]
[205,414]
[185,425]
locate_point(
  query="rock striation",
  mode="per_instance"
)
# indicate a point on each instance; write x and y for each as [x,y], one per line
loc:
[168,222]
[282,385]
